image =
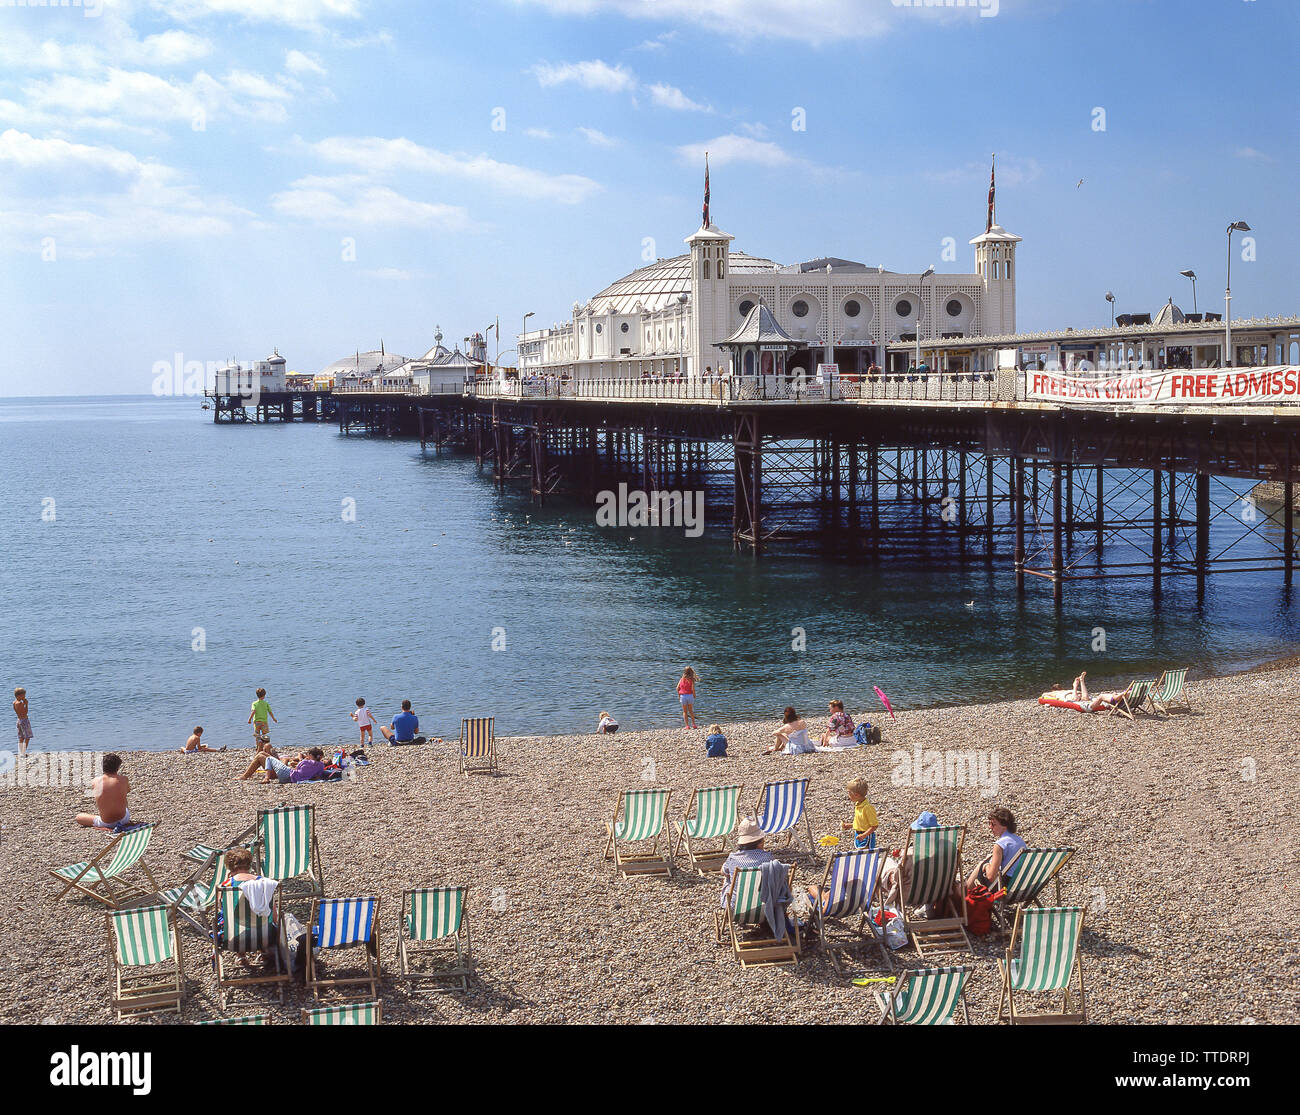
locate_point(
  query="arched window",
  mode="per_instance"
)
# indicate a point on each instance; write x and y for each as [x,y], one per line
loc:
[995,268]
[722,270]
[705,265]
[1008,269]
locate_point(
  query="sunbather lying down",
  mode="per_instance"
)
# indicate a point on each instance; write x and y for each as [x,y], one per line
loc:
[1079,697]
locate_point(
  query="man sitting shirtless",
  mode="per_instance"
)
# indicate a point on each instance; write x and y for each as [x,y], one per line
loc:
[110,790]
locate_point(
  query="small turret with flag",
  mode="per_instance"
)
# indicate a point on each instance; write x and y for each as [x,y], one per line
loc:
[706,189]
[992,171]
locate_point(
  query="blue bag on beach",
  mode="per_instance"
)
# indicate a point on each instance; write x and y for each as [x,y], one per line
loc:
[862,734]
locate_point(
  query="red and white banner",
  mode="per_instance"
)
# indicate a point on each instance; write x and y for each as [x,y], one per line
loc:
[1174,387]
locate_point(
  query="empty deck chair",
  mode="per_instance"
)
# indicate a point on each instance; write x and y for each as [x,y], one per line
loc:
[242,1020]
[716,814]
[1048,938]
[1131,699]
[287,850]
[927,997]
[200,854]
[645,817]
[144,953]
[741,921]
[935,856]
[435,917]
[342,923]
[242,933]
[1031,870]
[1168,689]
[847,891]
[103,881]
[347,1014]
[478,746]
[193,899]
[780,808]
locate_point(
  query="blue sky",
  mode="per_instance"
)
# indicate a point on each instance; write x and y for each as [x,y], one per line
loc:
[184,176]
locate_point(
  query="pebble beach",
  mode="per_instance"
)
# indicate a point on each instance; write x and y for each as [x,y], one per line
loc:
[1185,830]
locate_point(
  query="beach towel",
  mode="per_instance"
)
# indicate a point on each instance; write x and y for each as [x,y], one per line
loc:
[774,885]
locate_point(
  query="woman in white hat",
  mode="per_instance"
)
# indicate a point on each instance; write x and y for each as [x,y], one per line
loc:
[749,852]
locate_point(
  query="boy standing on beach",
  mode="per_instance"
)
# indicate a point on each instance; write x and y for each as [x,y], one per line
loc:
[365,721]
[110,790]
[865,822]
[24,725]
[258,718]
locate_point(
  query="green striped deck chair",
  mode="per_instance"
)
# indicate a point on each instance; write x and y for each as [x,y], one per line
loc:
[644,814]
[343,923]
[935,856]
[716,813]
[1168,689]
[347,1014]
[847,891]
[240,935]
[478,746]
[435,917]
[1031,870]
[925,997]
[144,952]
[103,882]
[1048,938]
[287,850]
[242,1020]
[194,898]
[200,853]
[740,920]
[1131,699]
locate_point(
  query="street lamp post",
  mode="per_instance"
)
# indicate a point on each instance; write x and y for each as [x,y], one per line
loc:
[1228,361]
[920,303]
[520,350]
[1190,274]
[1110,297]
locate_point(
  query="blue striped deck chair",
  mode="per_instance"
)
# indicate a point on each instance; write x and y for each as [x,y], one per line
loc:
[103,882]
[644,817]
[435,917]
[740,921]
[847,891]
[780,808]
[716,815]
[348,1014]
[1031,869]
[144,953]
[936,882]
[343,923]
[925,997]
[1048,938]
[241,934]
[478,746]
[1167,689]
[287,850]
[242,1020]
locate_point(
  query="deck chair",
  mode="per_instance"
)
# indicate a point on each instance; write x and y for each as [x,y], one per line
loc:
[645,817]
[780,808]
[348,1014]
[1048,938]
[435,916]
[1131,699]
[287,850]
[340,923]
[200,853]
[744,912]
[478,746]
[848,889]
[925,997]
[716,814]
[1167,689]
[193,899]
[103,882]
[144,953]
[1034,869]
[241,933]
[242,1020]
[935,856]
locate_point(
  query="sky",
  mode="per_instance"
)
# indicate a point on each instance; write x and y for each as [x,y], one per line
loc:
[194,180]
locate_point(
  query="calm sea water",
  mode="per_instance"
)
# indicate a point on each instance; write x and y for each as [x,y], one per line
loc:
[181,565]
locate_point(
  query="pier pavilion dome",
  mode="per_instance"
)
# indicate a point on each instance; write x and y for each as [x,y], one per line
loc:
[657,285]
[1169,315]
[363,364]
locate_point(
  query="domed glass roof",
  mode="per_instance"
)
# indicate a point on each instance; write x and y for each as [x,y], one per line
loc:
[658,284]
[366,363]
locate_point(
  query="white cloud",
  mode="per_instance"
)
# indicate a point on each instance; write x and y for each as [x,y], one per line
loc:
[736,149]
[305,14]
[590,75]
[376,155]
[1254,153]
[669,96]
[351,199]
[1012,171]
[26,152]
[597,138]
[296,62]
[658,42]
[539,133]
[169,48]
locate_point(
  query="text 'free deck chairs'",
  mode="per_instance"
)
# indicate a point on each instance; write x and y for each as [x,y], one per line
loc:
[348,1014]
[741,921]
[644,817]
[1166,690]
[1131,699]
[344,923]
[847,891]
[241,933]
[780,808]
[478,746]
[435,917]
[1031,869]
[927,997]
[935,858]
[715,816]
[144,952]
[1048,938]
[288,851]
[103,881]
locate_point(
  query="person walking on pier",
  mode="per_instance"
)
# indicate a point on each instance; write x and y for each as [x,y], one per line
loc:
[686,694]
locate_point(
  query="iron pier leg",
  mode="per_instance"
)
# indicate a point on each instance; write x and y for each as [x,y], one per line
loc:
[1157,484]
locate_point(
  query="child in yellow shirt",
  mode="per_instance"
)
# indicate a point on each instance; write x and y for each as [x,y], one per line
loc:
[865,822]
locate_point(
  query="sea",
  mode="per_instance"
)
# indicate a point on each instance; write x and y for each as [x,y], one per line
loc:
[157,568]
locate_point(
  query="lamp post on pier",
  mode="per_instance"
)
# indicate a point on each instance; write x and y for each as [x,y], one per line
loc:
[1228,360]
[1190,274]
[920,309]
[1110,297]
